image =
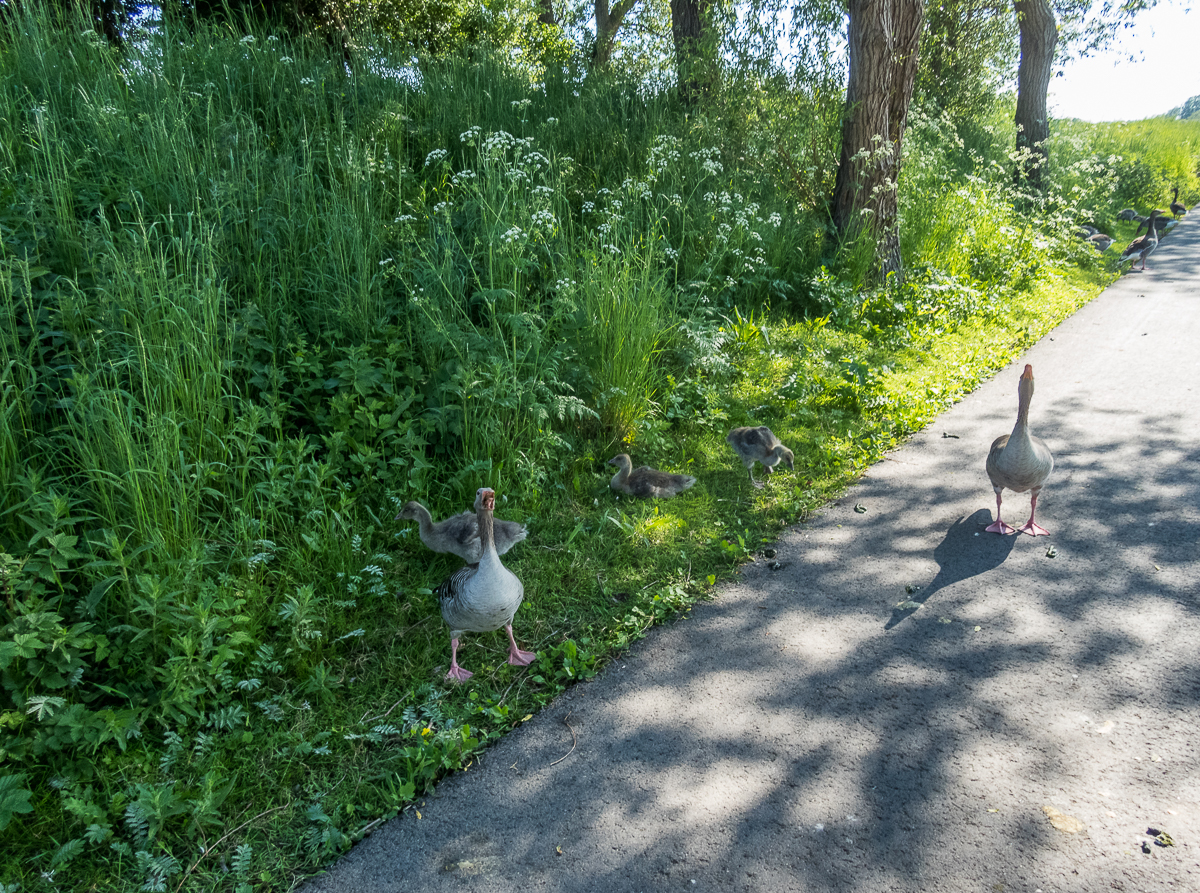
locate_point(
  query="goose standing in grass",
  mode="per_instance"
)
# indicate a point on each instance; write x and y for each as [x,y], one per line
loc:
[459,534]
[646,481]
[482,597]
[1177,207]
[1143,246]
[1020,461]
[1127,214]
[1100,241]
[1162,225]
[1086,231]
[759,445]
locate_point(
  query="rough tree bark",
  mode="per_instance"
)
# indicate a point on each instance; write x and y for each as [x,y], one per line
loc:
[546,16]
[607,23]
[1039,36]
[883,39]
[688,28]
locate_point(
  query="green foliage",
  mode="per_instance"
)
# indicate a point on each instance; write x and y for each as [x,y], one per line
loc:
[14,798]
[967,52]
[251,303]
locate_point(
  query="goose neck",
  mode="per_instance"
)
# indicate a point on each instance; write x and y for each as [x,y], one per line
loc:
[1024,398]
[487,531]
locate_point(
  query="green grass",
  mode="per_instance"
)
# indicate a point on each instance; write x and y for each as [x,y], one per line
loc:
[249,305]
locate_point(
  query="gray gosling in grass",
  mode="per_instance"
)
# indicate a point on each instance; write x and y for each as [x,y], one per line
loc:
[1020,461]
[645,481]
[482,597]
[1127,214]
[1086,231]
[1101,242]
[759,445]
[459,534]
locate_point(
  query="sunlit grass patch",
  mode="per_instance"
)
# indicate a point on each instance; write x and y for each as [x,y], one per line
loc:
[659,529]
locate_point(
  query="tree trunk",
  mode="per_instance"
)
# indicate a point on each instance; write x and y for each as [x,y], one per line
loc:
[108,16]
[883,39]
[1039,35]
[692,69]
[607,23]
[546,16]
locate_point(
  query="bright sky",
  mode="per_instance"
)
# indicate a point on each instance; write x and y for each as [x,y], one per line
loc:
[1110,87]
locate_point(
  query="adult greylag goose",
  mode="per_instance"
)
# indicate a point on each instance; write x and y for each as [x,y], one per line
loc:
[1127,214]
[1020,461]
[1143,246]
[759,445]
[646,481]
[1162,225]
[1178,208]
[482,597]
[1100,241]
[459,534]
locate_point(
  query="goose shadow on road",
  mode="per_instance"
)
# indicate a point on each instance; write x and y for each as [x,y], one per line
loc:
[966,551]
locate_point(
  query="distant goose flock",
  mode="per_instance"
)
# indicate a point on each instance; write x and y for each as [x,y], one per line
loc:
[1158,223]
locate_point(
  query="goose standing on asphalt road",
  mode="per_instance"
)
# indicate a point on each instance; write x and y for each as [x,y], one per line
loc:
[1020,461]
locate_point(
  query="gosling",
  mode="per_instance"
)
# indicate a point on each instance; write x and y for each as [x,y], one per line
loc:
[645,481]
[760,445]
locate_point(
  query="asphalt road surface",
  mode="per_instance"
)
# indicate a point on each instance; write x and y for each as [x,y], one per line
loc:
[1026,728]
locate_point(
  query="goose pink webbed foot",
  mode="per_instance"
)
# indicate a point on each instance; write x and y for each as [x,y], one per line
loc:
[999,527]
[456,673]
[1030,527]
[516,656]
